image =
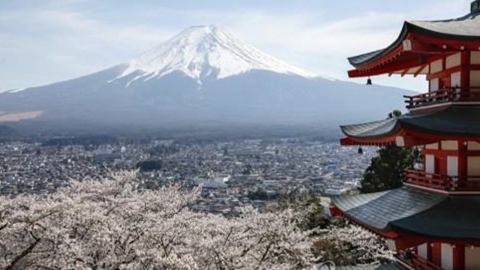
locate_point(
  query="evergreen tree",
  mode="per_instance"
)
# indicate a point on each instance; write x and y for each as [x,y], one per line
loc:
[386,170]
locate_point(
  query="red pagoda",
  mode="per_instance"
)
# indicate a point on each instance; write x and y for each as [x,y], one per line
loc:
[433,221]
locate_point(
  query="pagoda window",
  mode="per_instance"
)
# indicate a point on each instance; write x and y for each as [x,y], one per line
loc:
[472,258]
[447,256]
[453,61]
[475,58]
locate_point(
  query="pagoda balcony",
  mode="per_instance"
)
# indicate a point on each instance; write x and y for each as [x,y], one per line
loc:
[411,260]
[443,96]
[442,182]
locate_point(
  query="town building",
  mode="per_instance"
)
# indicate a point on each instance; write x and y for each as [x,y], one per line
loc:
[433,221]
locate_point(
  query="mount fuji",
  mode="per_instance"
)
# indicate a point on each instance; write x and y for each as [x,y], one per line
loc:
[202,52]
[202,76]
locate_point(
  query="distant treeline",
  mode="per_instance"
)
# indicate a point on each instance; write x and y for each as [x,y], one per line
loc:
[149,165]
[8,134]
[82,140]
[204,132]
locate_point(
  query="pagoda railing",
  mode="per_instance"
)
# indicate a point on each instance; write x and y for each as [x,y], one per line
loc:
[442,182]
[454,94]
[429,180]
[468,183]
[416,262]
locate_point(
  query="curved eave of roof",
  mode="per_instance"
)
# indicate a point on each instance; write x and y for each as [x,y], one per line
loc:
[377,210]
[372,130]
[454,218]
[415,212]
[366,58]
[454,121]
[463,28]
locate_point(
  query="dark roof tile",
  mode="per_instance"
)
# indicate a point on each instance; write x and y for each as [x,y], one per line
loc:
[455,120]
[377,210]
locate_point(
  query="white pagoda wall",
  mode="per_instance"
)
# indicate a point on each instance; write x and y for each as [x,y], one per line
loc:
[473,146]
[472,258]
[475,79]
[422,251]
[453,60]
[449,145]
[433,146]
[475,58]
[473,166]
[452,165]
[473,163]
[456,79]
[434,85]
[436,66]
[429,163]
[447,257]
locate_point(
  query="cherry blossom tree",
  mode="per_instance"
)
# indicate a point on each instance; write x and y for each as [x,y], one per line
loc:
[109,224]
[348,244]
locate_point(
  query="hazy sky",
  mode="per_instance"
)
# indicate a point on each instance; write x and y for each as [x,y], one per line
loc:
[44,41]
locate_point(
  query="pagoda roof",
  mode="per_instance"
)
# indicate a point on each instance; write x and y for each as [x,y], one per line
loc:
[466,28]
[453,121]
[376,211]
[456,217]
[370,130]
[413,211]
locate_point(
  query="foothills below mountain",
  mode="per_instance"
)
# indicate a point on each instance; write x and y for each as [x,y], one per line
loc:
[204,76]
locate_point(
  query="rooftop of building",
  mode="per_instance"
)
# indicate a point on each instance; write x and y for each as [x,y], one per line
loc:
[452,121]
[462,28]
[415,212]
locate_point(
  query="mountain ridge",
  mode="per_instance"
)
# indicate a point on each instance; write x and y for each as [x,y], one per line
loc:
[187,81]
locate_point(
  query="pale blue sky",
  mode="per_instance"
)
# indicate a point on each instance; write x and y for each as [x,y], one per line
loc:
[43,41]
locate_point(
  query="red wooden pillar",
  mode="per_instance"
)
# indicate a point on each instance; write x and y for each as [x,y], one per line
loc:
[462,163]
[465,75]
[442,164]
[429,252]
[437,254]
[458,257]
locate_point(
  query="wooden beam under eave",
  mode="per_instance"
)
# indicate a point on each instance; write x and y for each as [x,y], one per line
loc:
[452,46]
[411,141]
[404,72]
[382,60]
[420,70]
[356,73]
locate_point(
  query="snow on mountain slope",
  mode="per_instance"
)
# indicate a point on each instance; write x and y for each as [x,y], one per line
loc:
[205,51]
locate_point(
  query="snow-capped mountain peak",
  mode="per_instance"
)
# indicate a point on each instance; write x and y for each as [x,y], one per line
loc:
[205,51]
